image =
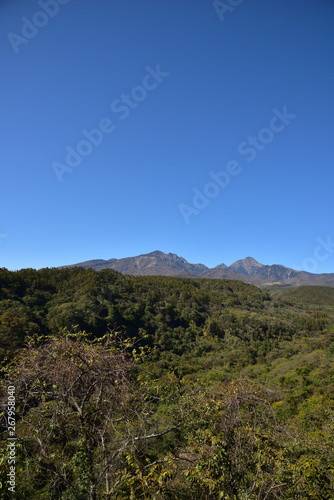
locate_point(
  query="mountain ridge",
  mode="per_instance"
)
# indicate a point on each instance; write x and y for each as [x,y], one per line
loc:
[247,270]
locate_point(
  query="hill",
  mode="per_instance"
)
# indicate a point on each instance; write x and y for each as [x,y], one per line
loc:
[319,295]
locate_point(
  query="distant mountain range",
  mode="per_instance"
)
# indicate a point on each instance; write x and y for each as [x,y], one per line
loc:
[247,270]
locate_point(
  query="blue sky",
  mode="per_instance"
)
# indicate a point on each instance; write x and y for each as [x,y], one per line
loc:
[178,90]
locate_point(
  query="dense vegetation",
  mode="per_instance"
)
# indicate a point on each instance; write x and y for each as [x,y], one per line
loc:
[181,388]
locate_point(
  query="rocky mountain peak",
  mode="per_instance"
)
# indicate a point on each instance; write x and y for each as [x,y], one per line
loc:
[248,266]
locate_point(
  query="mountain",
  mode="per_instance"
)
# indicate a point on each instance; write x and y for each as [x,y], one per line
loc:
[221,266]
[247,270]
[247,266]
[154,263]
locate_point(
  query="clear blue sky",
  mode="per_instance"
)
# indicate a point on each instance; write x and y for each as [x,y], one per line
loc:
[198,88]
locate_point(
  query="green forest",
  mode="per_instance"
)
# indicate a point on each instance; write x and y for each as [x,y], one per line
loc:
[154,387]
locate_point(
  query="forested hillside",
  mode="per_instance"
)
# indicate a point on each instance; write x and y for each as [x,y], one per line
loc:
[160,387]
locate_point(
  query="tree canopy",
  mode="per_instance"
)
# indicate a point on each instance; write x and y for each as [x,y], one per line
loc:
[165,388]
